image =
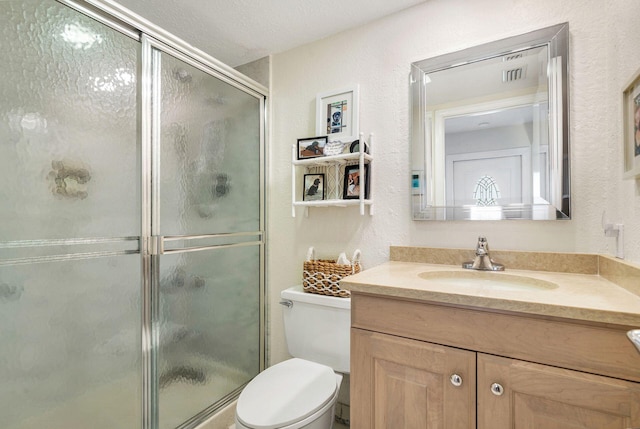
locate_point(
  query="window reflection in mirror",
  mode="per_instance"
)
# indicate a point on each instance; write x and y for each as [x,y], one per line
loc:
[489,131]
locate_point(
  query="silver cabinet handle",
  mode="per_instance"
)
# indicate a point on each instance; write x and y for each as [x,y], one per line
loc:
[497,389]
[456,380]
[634,337]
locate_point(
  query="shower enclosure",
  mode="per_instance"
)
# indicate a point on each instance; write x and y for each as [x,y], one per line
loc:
[131,222]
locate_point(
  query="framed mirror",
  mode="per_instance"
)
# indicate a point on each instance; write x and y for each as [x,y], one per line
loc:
[489,130]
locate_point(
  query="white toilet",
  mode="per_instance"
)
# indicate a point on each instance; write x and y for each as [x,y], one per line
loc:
[302,392]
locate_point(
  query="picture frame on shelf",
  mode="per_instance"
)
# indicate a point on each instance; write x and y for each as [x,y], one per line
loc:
[355,147]
[353,181]
[311,147]
[337,114]
[313,187]
[631,130]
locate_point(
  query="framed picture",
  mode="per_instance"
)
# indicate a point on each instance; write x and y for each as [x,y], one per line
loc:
[313,187]
[355,147]
[631,109]
[337,114]
[311,147]
[355,182]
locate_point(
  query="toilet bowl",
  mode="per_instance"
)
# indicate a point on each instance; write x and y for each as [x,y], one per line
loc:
[292,394]
[302,392]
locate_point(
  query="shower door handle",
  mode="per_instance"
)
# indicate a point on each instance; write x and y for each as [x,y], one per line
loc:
[156,245]
[157,242]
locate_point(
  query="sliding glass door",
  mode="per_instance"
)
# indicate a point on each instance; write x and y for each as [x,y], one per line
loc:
[70,290]
[207,234]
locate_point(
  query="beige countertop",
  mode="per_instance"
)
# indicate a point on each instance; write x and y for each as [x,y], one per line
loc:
[581,297]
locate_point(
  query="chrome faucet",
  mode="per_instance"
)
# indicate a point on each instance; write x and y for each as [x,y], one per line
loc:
[483,259]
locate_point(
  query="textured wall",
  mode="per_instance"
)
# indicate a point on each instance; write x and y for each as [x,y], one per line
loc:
[604,41]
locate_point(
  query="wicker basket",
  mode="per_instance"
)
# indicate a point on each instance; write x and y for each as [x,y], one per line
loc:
[322,276]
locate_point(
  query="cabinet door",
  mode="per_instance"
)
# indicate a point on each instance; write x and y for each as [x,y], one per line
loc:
[397,383]
[538,396]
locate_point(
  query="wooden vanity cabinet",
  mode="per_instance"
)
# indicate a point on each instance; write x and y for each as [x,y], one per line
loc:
[429,366]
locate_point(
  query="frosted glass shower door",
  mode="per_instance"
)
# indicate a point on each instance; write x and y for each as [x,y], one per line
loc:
[70,271]
[209,338]
[207,228]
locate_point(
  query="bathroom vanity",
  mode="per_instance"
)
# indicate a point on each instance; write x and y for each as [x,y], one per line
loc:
[435,347]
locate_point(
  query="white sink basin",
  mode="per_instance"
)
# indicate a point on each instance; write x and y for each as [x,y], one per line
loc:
[487,279]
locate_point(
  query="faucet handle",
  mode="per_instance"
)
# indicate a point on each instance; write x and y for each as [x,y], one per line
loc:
[483,246]
[483,260]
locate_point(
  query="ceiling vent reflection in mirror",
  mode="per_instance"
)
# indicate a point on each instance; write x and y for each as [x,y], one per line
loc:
[514,74]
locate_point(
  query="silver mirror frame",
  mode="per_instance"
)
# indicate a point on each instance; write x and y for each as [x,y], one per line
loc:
[556,39]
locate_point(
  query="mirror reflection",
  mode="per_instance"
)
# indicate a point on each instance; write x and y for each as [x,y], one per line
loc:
[489,131]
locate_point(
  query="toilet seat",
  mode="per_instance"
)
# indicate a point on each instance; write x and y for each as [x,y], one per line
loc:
[286,393]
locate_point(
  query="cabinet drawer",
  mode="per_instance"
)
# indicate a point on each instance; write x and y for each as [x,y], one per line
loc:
[598,349]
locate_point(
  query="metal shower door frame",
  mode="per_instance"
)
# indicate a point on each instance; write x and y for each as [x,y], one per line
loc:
[155,40]
[153,242]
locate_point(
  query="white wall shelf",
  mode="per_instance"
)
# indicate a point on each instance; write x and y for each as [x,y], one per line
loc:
[333,169]
[333,159]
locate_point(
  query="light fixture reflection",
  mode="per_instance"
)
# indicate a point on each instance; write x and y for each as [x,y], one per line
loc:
[80,37]
[34,122]
[120,78]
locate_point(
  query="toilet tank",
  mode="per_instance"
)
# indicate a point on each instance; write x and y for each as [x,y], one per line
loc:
[317,327]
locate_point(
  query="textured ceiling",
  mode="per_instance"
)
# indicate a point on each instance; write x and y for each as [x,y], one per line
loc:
[240,31]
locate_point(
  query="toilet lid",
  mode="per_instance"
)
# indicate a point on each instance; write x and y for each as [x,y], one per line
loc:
[285,393]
